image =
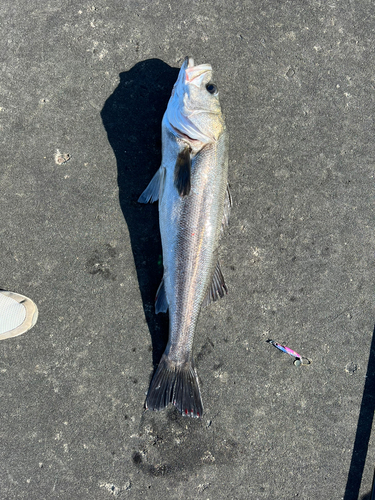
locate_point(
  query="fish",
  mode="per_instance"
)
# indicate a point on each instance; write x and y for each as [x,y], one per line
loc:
[191,187]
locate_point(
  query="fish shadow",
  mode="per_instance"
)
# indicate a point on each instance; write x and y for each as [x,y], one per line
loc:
[132,117]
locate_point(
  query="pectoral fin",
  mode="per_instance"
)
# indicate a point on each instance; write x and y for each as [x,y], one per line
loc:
[182,172]
[218,287]
[153,190]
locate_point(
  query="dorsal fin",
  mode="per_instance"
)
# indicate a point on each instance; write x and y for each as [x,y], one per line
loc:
[227,206]
[182,172]
[218,287]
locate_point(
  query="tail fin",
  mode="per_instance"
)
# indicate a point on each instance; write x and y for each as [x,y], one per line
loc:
[175,384]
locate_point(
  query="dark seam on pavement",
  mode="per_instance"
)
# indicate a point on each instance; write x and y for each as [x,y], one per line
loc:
[364,426]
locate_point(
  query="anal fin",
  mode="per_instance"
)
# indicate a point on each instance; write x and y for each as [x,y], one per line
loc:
[218,287]
[161,303]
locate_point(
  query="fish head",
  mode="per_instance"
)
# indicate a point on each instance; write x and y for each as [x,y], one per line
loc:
[194,111]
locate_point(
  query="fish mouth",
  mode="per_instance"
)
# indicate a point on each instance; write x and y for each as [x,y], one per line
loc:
[194,74]
[190,61]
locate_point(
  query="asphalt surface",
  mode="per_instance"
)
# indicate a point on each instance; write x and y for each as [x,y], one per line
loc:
[83,88]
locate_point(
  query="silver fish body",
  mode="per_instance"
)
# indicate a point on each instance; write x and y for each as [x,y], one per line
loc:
[194,202]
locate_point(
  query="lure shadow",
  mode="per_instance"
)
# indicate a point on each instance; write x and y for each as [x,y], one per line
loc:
[132,119]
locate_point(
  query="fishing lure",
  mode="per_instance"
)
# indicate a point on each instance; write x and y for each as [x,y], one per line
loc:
[299,359]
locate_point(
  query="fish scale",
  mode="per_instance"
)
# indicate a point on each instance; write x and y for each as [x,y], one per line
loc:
[189,270]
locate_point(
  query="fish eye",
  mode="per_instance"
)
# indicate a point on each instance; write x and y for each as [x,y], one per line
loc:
[211,88]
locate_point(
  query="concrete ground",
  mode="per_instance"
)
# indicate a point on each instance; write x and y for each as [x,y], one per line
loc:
[83,88]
